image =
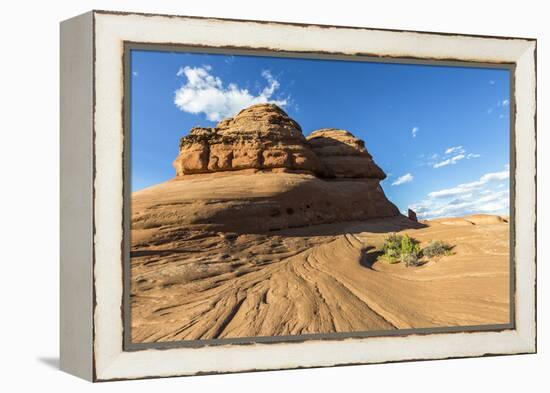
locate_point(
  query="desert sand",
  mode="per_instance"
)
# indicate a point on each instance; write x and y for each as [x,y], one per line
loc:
[266,233]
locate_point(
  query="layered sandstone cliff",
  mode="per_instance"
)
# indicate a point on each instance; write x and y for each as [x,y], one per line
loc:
[259,137]
[343,155]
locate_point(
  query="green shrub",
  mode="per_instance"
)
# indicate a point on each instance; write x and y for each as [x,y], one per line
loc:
[436,248]
[409,246]
[392,242]
[391,256]
[401,248]
[406,249]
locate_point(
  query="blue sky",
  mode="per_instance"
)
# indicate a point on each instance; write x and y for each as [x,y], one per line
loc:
[441,133]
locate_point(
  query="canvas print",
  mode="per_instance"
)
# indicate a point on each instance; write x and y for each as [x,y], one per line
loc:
[286,197]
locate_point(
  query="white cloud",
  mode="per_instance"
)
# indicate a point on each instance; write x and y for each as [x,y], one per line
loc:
[453,149]
[491,82]
[414,131]
[505,102]
[469,187]
[442,163]
[135,73]
[480,196]
[449,161]
[458,152]
[407,178]
[206,93]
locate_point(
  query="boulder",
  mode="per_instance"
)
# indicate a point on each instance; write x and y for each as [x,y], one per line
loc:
[342,155]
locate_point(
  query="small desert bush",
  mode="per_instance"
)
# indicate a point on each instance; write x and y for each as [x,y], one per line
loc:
[401,248]
[410,260]
[409,246]
[436,248]
[392,242]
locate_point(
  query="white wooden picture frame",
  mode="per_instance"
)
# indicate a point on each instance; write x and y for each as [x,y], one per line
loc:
[92,193]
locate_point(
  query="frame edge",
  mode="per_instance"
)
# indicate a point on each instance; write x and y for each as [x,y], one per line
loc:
[76,199]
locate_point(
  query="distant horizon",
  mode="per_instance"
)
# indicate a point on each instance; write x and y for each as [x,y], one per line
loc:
[441,133]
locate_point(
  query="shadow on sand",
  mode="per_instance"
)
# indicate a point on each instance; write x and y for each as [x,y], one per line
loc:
[369,256]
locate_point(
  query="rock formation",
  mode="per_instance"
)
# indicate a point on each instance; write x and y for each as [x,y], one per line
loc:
[343,155]
[256,172]
[259,137]
[412,215]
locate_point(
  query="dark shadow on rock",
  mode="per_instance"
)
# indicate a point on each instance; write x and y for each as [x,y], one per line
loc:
[50,361]
[311,207]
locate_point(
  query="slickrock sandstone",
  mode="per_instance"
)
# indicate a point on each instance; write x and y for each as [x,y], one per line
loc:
[259,137]
[257,202]
[343,155]
[192,284]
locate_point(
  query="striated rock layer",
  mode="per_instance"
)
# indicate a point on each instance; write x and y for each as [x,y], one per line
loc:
[324,279]
[343,155]
[259,137]
[248,202]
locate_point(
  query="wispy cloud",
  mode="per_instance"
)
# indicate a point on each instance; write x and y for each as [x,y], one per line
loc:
[207,94]
[491,82]
[455,149]
[469,187]
[485,195]
[453,155]
[449,161]
[135,73]
[414,131]
[407,178]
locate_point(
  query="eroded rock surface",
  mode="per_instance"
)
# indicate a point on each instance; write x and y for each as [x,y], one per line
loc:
[259,137]
[257,202]
[261,174]
[343,155]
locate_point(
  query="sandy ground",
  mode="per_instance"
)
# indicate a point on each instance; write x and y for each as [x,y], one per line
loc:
[204,284]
